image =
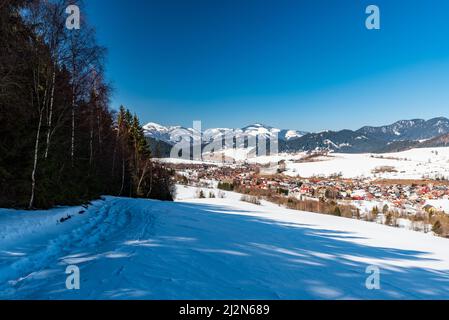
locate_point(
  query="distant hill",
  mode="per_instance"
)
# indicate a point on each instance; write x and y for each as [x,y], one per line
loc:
[401,135]
[344,141]
[397,146]
[159,148]
[441,141]
[413,130]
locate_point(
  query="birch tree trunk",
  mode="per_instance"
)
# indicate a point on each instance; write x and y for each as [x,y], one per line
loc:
[91,141]
[123,176]
[72,148]
[50,115]
[36,144]
[36,155]
[142,176]
[151,181]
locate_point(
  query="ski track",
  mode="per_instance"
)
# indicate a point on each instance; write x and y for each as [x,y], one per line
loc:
[224,249]
[102,223]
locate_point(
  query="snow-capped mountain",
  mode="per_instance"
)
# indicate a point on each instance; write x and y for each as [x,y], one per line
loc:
[291,134]
[175,134]
[169,134]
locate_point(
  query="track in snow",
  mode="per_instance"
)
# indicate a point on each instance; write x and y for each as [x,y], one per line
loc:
[220,249]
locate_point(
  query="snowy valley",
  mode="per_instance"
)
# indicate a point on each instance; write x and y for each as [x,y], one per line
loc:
[216,244]
[223,150]
[309,225]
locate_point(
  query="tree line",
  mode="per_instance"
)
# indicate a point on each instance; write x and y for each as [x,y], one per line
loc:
[60,143]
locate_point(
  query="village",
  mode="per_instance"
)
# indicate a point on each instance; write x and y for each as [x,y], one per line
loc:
[404,196]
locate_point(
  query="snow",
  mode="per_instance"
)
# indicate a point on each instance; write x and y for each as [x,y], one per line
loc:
[16,224]
[440,204]
[367,206]
[263,160]
[178,134]
[411,164]
[155,126]
[292,134]
[184,161]
[414,164]
[220,248]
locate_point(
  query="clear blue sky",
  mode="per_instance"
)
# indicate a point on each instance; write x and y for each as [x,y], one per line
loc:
[307,65]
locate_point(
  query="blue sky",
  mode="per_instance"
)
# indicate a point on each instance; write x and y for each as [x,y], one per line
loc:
[307,65]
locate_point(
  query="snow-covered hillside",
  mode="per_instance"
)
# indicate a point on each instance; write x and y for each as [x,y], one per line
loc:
[421,163]
[411,164]
[213,248]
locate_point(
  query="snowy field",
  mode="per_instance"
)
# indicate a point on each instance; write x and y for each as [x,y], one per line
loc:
[411,164]
[213,249]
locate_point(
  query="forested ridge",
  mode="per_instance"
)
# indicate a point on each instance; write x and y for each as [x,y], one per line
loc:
[60,143]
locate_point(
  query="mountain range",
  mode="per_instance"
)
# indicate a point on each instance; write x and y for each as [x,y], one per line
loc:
[176,134]
[401,135]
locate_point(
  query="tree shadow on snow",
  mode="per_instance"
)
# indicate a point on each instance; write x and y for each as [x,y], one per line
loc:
[200,251]
[298,261]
